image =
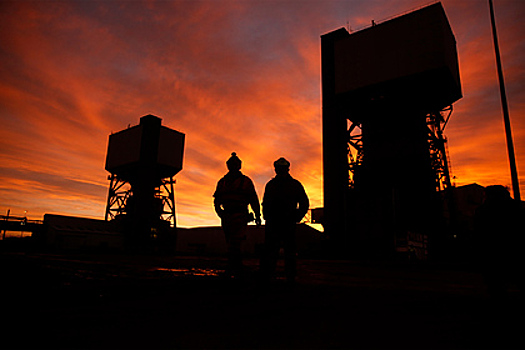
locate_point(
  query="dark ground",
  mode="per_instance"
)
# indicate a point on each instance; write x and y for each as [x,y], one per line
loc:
[123,301]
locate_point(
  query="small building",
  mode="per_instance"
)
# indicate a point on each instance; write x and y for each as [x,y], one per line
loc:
[71,233]
[466,199]
[210,240]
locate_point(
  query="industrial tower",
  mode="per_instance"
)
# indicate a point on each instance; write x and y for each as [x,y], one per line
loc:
[143,160]
[387,94]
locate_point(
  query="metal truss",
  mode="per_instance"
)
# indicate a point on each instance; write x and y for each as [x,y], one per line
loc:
[120,192]
[354,150]
[166,192]
[436,122]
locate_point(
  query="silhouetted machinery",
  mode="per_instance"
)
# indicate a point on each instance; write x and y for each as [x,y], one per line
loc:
[143,160]
[387,95]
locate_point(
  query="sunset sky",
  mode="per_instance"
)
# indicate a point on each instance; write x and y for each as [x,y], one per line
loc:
[239,76]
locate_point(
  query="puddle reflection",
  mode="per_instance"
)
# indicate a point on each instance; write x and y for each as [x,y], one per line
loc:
[191,271]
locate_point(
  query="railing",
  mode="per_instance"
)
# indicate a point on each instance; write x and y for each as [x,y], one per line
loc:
[18,224]
[20,219]
[374,22]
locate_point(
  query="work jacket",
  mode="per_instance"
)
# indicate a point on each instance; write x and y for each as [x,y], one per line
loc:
[234,192]
[284,199]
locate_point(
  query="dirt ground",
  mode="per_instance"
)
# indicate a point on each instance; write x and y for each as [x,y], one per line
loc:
[93,301]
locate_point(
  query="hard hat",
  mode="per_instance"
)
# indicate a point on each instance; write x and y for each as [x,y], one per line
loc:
[282,163]
[234,163]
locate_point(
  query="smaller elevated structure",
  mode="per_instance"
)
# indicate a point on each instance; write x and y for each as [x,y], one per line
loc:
[143,160]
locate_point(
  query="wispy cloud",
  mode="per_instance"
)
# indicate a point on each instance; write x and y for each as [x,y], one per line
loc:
[238,76]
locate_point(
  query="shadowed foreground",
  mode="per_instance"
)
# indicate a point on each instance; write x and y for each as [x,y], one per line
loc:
[110,301]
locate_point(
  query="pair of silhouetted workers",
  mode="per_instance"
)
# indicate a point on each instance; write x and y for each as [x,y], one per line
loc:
[284,204]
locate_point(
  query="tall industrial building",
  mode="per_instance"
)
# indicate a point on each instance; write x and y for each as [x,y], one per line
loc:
[387,94]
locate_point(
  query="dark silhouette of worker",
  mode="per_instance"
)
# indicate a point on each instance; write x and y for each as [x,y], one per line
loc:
[235,191]
[285,203]
[499,230]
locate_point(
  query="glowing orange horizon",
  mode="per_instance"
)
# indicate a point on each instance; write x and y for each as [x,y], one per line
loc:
[241,77]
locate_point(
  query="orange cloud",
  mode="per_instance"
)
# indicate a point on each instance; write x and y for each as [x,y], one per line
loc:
[235,76]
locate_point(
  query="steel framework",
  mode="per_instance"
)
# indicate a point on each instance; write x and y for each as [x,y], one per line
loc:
[355,151]
[436,123]
[118,194]
[120,191]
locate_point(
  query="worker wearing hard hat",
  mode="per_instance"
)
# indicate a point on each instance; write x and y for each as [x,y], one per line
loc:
[234,192]
[285,203]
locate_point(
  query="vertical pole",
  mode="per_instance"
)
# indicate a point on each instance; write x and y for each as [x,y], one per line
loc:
[504,106]
[6,220]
